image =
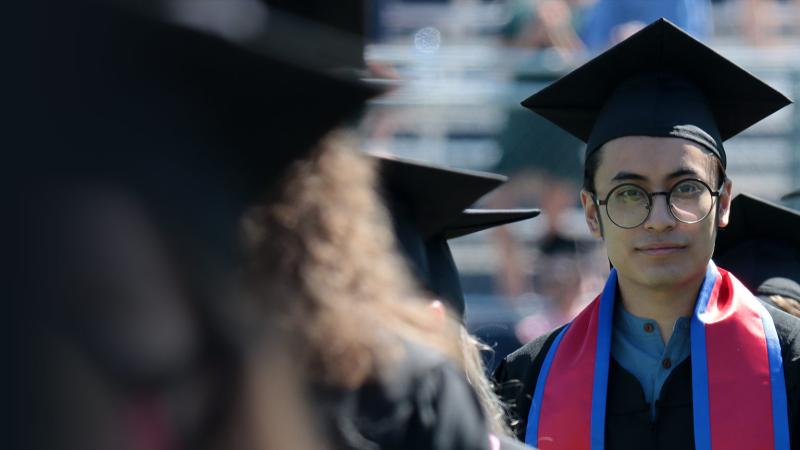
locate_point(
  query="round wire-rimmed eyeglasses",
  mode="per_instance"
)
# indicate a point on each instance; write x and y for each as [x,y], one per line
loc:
[629,205]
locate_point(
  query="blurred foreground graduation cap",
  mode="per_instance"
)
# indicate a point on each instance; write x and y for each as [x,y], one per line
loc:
[195,105]
[659,82]
[761,242]
[157,119]
[241,86]
[429,205]
[170,115]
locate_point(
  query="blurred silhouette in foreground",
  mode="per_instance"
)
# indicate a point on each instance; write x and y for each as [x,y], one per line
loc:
[157,124]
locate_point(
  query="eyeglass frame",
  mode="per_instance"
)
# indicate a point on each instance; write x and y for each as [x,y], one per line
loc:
[650,202]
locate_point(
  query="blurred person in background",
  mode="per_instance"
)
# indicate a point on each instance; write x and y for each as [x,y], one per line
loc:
[648,362]
[554,275]
[559,274]
[545,24]
[609,22]
[551,270]
[767,22]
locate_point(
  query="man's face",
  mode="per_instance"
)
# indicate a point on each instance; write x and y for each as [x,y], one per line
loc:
[661,252]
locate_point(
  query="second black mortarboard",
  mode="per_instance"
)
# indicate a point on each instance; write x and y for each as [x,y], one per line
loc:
[475,220]
[428,205]
[433,195]
[761,241]
[659,82]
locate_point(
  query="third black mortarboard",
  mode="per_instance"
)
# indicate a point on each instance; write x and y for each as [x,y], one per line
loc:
[761,242]
[659,82]
[475,220]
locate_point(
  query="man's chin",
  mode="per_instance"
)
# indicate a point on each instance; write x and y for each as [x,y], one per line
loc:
[661,275]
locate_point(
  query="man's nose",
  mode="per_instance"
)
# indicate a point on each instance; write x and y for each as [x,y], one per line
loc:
[660,218]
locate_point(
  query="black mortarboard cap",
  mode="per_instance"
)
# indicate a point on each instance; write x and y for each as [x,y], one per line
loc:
[428,206]
[761,241]
[432,196]
[475,220]
[659,82]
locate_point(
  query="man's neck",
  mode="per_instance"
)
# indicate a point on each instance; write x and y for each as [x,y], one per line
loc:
[664,304]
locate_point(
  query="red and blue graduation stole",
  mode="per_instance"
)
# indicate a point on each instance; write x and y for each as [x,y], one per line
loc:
[738,390]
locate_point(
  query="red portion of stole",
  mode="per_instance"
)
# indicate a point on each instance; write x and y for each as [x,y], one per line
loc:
[567,398]
[740,397]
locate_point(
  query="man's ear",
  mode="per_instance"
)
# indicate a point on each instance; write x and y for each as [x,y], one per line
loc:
[725,197]
[591,213]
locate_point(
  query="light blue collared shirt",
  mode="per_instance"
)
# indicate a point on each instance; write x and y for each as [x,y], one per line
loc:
[637,346]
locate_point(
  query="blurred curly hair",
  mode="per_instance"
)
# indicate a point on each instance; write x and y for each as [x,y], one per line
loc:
[322,258]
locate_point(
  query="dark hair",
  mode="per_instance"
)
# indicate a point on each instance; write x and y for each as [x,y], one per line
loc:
[590,168]
[593,162]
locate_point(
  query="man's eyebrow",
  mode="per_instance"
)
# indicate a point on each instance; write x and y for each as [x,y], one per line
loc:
[682,172]
[628,176]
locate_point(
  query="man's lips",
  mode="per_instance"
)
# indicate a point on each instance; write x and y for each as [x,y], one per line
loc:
[660,248]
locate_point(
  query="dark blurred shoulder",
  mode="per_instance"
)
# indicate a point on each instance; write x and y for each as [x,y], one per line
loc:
[532,351]
[787,327]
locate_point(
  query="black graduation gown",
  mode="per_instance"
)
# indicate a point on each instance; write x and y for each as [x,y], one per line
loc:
[424,403]
[628,423]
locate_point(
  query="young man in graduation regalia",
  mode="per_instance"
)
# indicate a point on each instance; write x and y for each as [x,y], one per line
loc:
[675,352]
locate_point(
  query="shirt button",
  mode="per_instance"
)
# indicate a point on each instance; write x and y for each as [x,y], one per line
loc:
[648,327]
[666,363]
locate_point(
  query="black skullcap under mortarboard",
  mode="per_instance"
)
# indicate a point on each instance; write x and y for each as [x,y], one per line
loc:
[659,82]
[428,206]
[760,242]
